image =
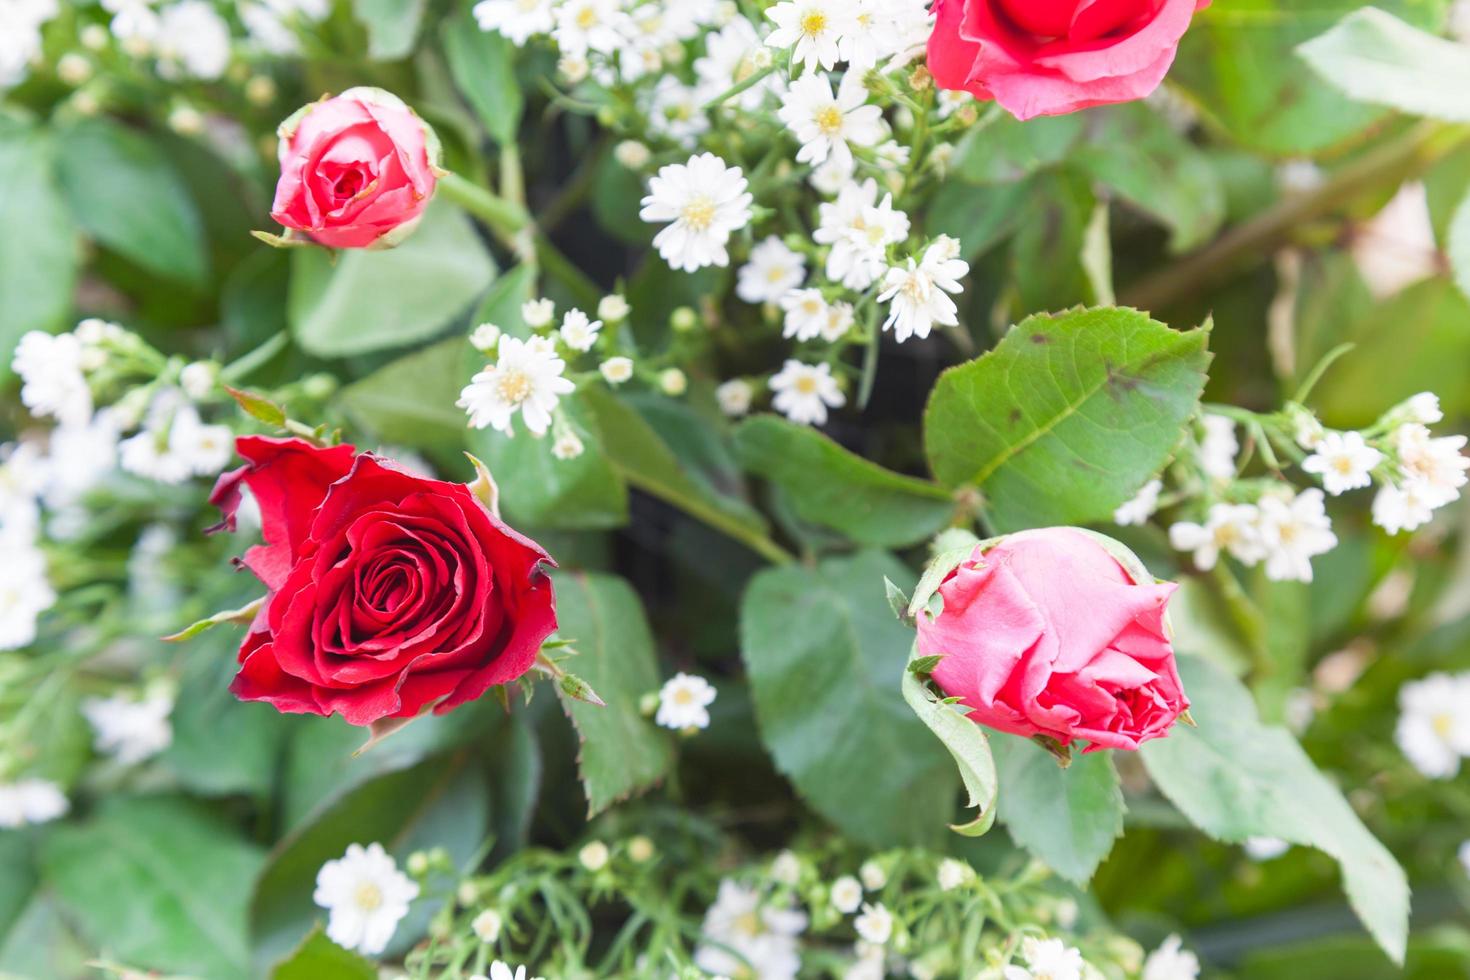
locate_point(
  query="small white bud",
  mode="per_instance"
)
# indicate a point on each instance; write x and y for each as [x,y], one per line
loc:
[613,309]
[641,849]
[73,69]
[538,313]
[632,154]
[673,382]
[197,379]
[260,90]
[616,370]
[485,338]
[593,856]
[186,120]
[94,37]
[487,925]
[567,446]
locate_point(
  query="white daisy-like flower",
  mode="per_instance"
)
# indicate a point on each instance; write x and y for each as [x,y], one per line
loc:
[804,392]
[567,446]
[1294,530]
[733,54]
[151,455]
[786,869]
[589,25]
[365,896]
[487,925]
[578,331]
[484,338]
[677,111]
[500,970]
[204,450]
[80,456]
[1265,848]
[130,729]
[594,856]
[1171,962]
[673,382]
[873,876]
[704,201]
[840,320]
[734,397]
[52,382]
[538,313]
[683,702]
[806,314]
[613,308]
[616,370]
[1403,508]
[1229,528]
[918,293]
[1139,509]
[1438,466]
[812,28]
[1046,959]
[517,20]
[859,228]
[31,801]
[750,938]
[875,925]
[828,124]
[1344,461]
[1307,431]
[1433,729]
[871,962]
[954,874]
[526,378]
[772,271]
[846,894]
[831,177]
[1218,447]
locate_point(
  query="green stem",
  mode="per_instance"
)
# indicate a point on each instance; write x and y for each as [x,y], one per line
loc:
[1318,371]
[738,87]
[503,217]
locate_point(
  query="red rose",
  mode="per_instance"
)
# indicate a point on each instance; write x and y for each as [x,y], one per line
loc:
[387,591]
[1048,633]
[1048,57]
[357,170]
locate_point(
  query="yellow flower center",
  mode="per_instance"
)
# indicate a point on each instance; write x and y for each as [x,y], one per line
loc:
[829,120]
[806,384]
[699,213]
[586,17]
[683,696]
[369,897]
[813,23]
[513,385]
[749,924]
[1443,724]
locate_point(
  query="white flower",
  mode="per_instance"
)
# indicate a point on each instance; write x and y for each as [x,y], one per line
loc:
[1433,728]
[813,27]
[873,875]
[677,111]
[1423,408]
[589,25]
[500,970]
[632,154]
[578,331]
[1307,430]
[1437,466]
[593,856]
[24,473]
[567,446]
[871,963]
[673,382]
[764,937]
[1218,447]
[1344,461]
[875,925]
[148,455]
[80,456]
[1265,848]
[1293,531]
[840,319]
[1047,959]
[734,397]
[198,379]
[683,702]
[613,308]
[30,801]
[527,378]
[204,450]
[831,177]
[826,123]
[733,54]
[704,201]
[193,37]
[484,338]
[846,894]
[487,926]
[616,370]
[1403,508]
[1231,528]
[538,313]
[52,383]
[806,314]
[859,229]
[20,36]
[772,272]
[517,20]
[129,729]
[919,293]
[641,849]
[1171,962]
[804,392]
[25,592]
[1141,507]
[1396,247]
[953,874]
[365,896]
[786,869]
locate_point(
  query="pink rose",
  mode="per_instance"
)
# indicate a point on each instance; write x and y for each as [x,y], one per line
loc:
[1048,57]
[1048,633]
[357,170]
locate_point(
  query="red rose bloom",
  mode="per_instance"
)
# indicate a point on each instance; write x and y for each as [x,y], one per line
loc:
[1048,57]
[387,591]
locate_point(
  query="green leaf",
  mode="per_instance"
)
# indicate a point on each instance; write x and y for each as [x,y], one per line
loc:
[1046,255]
[826,663]
[366,300]
[1008,150]
[38,252]
[1068,416]
[443,802]
[978,216]
[965,741]
[1236,778]
[623,753]
[411,401]
[126,194]
[1240,63]
[1374,57]
[318,958]
[1068,817]
[830,486]
[483,65]
[392,26]
[157,882]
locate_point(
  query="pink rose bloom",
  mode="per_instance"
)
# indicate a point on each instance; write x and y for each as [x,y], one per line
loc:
[357,170]
[1047,633]
[1048,57]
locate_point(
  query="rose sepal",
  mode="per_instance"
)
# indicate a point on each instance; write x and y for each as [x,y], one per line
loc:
[965,741]
[242,616]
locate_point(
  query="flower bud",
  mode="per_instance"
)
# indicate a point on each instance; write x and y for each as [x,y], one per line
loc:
[673,382]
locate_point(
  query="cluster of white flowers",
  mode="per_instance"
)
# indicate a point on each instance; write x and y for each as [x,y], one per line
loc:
[500,970]
[29,801]
[1171,961]
[1046,959]
[683,702]
[750,936]
[365,896]
[20,36]
[1433,728]
[188,38]
[1285,529]
[131,729]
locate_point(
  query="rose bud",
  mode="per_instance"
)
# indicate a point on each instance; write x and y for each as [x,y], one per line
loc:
[1048,57]
[387,591]
[357,170]
[1049,633]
